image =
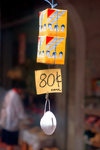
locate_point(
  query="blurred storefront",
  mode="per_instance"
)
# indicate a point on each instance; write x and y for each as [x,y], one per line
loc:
[19,50]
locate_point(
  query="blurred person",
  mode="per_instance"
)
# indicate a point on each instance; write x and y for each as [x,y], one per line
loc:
[24,97]
[11,112]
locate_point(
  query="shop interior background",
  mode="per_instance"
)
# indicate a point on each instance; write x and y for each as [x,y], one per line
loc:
[80,99]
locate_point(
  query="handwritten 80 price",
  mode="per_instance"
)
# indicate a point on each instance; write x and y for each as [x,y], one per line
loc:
[48,81]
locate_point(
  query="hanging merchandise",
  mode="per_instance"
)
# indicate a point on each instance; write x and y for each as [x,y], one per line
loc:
[48,121]
[46,50]
[52,36]
[53,22]
[51,50]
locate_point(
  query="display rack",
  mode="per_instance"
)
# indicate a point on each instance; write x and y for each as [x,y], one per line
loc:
[93,110]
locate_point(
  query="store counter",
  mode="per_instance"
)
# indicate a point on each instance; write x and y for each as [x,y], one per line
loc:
[35,139]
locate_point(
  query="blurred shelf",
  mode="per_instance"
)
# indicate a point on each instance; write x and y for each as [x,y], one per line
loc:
[88,142]
[93,129]
[94,112]
[93,97]
[95,144]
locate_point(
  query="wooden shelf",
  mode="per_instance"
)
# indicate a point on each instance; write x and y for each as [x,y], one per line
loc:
[93,97]
[94,130]
[95,144]
[94,112]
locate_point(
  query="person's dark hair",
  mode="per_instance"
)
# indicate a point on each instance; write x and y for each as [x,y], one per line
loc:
[19,84]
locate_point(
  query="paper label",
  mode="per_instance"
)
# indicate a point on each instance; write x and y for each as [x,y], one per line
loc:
[48,81]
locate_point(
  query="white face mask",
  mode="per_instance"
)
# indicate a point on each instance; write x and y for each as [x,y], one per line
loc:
[48,123]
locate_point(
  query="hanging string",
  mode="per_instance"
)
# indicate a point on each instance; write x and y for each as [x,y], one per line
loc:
[52,6]
[56,36]
[40,36]
[47,100]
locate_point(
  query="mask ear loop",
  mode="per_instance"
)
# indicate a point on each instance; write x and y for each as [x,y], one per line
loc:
[47,100]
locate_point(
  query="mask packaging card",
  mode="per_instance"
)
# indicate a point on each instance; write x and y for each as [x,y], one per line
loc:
[46,50]
[53,22]
[52,36]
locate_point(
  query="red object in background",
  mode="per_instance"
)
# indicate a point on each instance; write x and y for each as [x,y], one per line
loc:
[22,48]
[2,145]
[90,119]
[97,123]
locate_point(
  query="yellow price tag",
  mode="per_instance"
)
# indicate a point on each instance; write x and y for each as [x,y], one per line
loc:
[48,81]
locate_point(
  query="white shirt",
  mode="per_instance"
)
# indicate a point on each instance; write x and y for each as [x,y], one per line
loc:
[12,111]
